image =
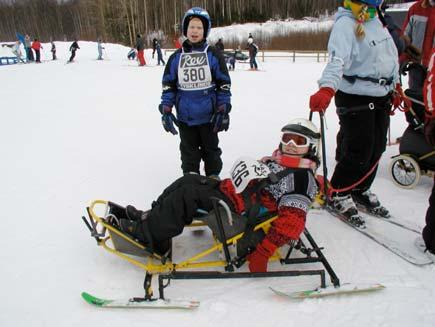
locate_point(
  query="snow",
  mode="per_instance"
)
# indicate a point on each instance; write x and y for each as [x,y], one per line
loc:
[238,33]
[91,130]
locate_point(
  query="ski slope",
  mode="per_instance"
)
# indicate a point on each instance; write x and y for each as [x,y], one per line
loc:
[91,130]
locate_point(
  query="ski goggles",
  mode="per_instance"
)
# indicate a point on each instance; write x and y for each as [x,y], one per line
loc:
[298,140]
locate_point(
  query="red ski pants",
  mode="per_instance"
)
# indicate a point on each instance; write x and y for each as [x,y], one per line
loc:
[141,58]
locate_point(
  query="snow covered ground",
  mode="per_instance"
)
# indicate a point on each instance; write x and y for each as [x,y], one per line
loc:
[91,130]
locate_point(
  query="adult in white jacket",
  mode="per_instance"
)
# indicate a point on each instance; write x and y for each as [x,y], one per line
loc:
[362,74]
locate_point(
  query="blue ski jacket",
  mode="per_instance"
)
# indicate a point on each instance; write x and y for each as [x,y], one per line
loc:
[201,90]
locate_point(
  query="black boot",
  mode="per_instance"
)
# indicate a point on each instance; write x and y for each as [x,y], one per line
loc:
[134,223]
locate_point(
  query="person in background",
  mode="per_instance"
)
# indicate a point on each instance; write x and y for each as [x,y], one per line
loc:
[53,50]
[155,41]
[197,83]
[419,31]
[36,45]
[140,47]
[253,50]
[73,48]
[100,49]
[362,73]
[220,45]
[28,47]
[159,54]
[177,43]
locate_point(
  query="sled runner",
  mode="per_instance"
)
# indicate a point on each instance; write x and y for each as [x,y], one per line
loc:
[230,231]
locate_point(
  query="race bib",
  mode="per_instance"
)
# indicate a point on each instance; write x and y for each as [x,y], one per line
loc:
[245,170]
[194,71]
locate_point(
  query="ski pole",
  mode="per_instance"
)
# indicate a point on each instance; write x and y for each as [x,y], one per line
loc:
[325,168]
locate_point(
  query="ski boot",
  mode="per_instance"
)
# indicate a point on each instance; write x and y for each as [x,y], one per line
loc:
[345,207]
[369,202]
[136,225]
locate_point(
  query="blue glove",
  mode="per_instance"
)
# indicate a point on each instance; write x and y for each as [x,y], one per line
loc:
[168,119]
[221,118]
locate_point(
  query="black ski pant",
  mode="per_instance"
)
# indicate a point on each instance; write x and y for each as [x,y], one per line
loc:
[200,142]
[73,54]
[361,140]
[429,229]
[178,204]
[38,55]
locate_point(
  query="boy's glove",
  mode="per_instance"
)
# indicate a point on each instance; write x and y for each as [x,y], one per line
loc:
[259,258]
[168,119]
[221,118]
[320,100]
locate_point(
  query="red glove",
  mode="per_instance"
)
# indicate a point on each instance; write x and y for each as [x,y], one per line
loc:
[320,100]
[259,258]
[429,131]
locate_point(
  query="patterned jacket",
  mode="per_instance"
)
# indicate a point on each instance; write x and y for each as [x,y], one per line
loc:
[290,198]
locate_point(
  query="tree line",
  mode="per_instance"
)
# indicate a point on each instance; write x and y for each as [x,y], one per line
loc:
[119,21]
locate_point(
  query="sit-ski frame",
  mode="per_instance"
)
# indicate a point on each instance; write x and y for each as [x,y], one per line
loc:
[167,270]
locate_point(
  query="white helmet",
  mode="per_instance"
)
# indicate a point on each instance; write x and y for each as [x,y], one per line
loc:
[308,129]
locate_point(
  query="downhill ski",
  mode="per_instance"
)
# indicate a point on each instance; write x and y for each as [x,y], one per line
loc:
[139,303]
[346,288]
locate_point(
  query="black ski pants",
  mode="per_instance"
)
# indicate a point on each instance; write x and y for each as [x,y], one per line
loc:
[361,140]
[429,229]
[178,204]
[38,55]
[73,54]
[200,142]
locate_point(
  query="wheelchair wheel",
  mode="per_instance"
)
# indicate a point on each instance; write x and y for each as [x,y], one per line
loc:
[405,171]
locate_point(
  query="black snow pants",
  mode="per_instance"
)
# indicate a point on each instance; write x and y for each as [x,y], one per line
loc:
[361,140]
[178,204]
[200,142]
[73,54]
[429,229]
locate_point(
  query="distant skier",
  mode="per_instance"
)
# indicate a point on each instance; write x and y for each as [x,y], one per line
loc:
[140,47]
[293,164]
[155,41]
[53,50]
[100,49]
[73,48]
[253,50]
[159,54]
[28,47]
[220,45]
[36,45]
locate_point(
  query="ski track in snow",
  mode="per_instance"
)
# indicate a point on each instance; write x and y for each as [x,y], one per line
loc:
[91,130]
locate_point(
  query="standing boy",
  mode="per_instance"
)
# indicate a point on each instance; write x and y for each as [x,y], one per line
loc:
[197,83]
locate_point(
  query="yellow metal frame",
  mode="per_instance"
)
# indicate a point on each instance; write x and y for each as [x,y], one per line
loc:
[154,263]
